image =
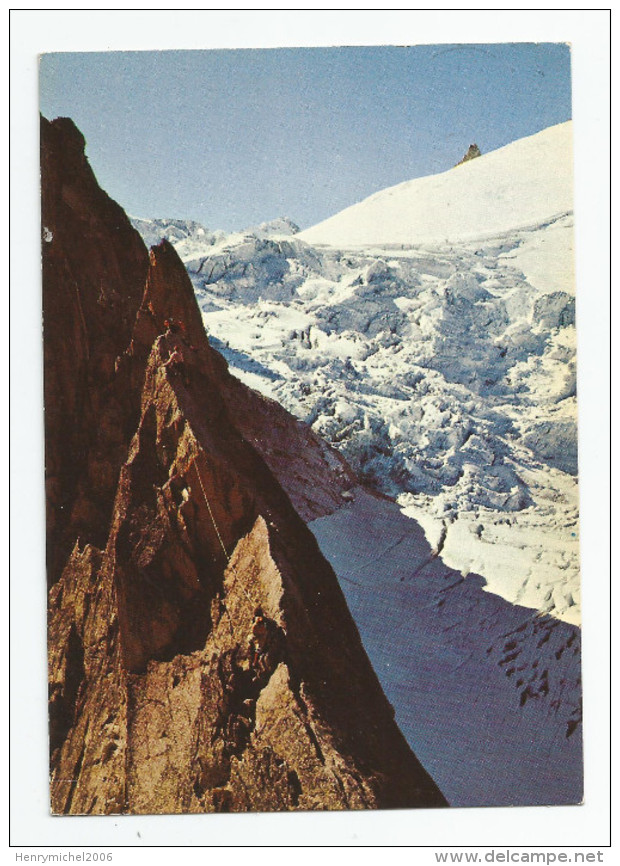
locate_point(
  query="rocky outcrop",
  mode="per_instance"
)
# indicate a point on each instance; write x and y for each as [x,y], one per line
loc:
[201,654]
[473,151]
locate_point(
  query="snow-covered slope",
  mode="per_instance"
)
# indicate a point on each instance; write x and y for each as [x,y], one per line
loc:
[486,693]
[516,186]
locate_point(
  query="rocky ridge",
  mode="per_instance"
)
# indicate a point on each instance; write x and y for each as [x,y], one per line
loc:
[473,151]
[167,531]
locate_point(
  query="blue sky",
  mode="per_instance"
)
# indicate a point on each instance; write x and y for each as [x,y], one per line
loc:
[233,138]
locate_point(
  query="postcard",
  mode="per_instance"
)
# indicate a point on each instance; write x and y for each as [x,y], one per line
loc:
[311,429]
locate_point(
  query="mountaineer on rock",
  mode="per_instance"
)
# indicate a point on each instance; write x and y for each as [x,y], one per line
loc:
[260,635]
[173,326]
[175,359]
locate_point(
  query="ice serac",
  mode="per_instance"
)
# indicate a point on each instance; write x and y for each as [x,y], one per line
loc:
[167,530]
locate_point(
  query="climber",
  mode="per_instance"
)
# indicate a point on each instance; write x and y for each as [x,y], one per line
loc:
[173,326]
[175,359]
[267,644]
[179,488]
[176,356]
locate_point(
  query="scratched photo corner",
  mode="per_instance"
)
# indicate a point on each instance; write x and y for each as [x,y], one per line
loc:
[310,429]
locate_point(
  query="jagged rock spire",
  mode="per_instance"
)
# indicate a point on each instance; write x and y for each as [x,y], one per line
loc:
[473,151]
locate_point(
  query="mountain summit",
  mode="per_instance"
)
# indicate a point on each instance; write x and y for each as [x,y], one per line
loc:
[201,653]
[473,151]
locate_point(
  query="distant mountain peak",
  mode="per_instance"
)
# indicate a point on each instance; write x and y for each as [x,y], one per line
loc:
[275,227]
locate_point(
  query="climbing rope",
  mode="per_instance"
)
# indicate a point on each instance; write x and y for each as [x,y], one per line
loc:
[217,531]
[228,558]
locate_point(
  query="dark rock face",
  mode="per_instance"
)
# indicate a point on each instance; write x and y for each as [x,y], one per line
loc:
[201,654]
[473,151]
[94,269]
